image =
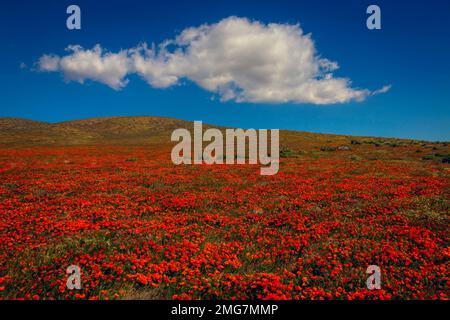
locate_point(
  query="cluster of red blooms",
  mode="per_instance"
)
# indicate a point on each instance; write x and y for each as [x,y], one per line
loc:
[136,224]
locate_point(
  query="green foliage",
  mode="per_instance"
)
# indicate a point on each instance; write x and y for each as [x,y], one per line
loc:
[286,153]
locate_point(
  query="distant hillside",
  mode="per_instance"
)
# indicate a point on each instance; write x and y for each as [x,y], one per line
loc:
[144,130]
[128,130]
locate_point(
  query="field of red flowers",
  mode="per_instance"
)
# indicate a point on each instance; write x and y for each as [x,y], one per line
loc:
[140,227]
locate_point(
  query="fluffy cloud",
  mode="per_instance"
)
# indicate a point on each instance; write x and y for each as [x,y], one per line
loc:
[94,64]
[238,59]
[49,63]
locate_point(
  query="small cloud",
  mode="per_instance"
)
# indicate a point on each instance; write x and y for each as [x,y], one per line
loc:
[48,63]
[23,65]
[385,89]
[94,64]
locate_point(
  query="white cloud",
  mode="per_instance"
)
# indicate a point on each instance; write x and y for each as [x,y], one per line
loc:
[238,59]
[385,89]
[48,63]
[94,64]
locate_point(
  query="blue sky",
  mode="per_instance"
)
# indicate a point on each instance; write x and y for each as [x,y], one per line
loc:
[411,52]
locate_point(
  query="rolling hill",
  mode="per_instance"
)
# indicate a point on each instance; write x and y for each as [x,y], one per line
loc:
[147,130]
[136,130]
